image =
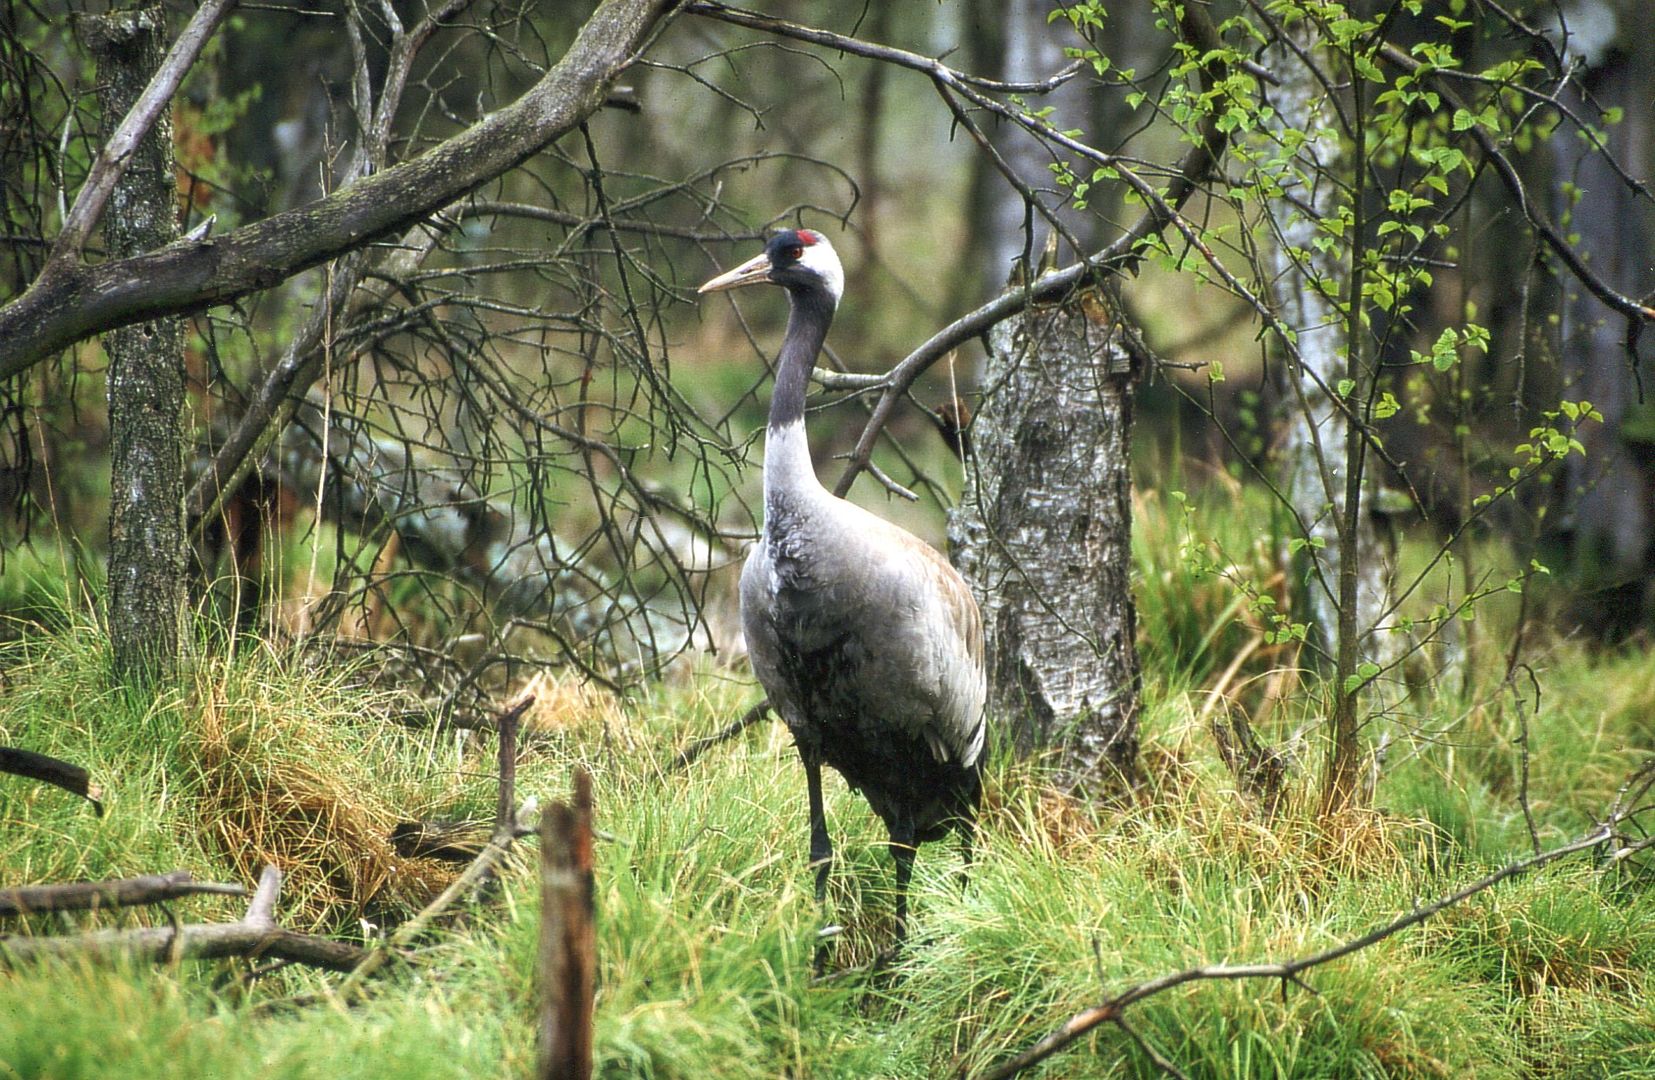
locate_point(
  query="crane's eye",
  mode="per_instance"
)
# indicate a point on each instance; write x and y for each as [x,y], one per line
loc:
[796,253]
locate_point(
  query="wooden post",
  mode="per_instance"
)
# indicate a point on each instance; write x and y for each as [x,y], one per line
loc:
[568,952]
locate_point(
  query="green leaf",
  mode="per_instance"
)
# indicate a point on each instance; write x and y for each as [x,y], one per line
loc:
[1367,68]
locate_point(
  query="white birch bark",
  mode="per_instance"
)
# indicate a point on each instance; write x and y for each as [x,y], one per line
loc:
[1044,535]
[1305,289]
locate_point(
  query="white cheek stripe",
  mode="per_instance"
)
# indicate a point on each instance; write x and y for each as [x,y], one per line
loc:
[821,258]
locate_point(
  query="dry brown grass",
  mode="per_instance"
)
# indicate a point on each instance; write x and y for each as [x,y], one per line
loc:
[568,703]
[280,786]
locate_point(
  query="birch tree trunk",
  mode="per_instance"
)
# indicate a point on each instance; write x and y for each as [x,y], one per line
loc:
[146,372]
[1341,574]
[1044,535]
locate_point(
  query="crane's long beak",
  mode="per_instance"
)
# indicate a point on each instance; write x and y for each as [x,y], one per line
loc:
[755,271]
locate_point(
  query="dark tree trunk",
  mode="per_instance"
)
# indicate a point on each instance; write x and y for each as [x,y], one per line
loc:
[146,372]
[1044,535]
[1611,489]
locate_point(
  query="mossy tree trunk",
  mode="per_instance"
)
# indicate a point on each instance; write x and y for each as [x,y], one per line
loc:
[1044,535]
[146,372]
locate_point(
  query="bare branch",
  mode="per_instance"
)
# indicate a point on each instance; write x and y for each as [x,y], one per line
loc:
[69,302]
[51,770]
[1290,971]
[491,208]
[113,159]
[254,935]
[92,895]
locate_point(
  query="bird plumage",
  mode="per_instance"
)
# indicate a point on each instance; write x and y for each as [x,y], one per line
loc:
[868,643]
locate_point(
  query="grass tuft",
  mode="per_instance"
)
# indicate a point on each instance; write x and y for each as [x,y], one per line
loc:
[290,779]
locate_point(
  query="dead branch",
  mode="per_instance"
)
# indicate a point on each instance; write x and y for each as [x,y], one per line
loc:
[255,935]
[118,152]
[92,895]
[582,224]
[54,771]
[1112,1010]
[568,953]
[686,757]
[72,302]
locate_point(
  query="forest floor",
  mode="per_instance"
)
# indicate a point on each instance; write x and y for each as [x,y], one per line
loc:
[707,926]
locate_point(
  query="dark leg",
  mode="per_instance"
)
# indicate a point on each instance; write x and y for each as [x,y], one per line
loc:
[821,848]
[902,850]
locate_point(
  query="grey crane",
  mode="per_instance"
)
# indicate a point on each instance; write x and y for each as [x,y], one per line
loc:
[866,640]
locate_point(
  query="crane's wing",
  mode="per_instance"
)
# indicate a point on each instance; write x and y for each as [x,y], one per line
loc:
[951,684]
[924,674]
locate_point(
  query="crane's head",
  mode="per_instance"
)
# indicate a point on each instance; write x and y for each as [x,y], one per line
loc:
[794,258]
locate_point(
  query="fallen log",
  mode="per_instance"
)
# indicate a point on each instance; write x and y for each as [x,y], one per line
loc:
[256,934]
[92,895]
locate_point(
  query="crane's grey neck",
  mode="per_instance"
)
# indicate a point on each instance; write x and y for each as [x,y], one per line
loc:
[787,465]
[807,327]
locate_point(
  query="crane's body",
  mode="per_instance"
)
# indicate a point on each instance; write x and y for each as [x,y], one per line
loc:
[868,643]
[869,646]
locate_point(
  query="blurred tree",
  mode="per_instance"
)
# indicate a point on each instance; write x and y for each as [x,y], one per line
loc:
[1607,512]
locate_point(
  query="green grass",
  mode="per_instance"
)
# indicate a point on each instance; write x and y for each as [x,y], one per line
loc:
[707,926]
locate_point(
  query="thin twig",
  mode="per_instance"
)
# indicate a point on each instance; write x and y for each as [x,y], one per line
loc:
[686,757]
[1290,971]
